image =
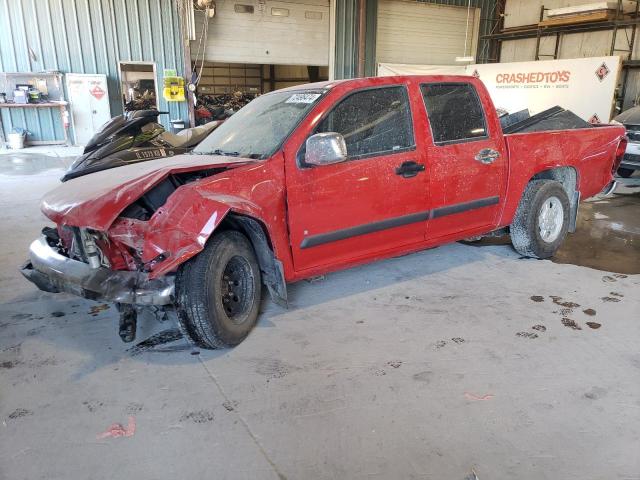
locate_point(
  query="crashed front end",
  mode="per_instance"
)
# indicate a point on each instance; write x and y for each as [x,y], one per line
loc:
[121,234]
[84,270]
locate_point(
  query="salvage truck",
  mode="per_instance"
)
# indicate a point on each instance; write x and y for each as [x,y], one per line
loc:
[312,179]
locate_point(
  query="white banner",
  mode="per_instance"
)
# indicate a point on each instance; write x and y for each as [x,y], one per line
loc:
[586,86]
[391,69]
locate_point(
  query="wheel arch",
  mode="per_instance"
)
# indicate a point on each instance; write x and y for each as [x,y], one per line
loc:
[257,233]
[568,178]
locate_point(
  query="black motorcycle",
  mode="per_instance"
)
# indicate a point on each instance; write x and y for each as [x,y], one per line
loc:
[134,137]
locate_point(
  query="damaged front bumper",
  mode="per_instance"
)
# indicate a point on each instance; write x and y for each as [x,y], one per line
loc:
[52,272]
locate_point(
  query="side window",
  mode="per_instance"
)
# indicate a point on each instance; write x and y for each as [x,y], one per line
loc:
[373,121]
[455,112]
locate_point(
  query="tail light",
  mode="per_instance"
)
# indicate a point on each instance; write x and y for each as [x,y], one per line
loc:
[622,147]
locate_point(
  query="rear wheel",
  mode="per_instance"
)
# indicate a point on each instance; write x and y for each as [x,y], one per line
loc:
[542,219]
[625,172]
[218,292]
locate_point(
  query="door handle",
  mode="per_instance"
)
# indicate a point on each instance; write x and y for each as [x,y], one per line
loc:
[409,169]
[487,156]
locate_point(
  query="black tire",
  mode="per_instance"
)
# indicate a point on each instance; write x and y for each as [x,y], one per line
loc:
[625,172]
[527,236]
[218,292]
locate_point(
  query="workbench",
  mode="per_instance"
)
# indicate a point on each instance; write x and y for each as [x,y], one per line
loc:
[61,106]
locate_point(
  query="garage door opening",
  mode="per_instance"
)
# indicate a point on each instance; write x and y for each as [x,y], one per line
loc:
[138,86]
[224,88]
[245,48]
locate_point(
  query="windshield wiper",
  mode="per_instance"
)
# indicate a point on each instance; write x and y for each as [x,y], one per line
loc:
[226,154]
[252,156]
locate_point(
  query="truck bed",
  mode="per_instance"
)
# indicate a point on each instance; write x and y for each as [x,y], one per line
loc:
[555,118]
[587,155]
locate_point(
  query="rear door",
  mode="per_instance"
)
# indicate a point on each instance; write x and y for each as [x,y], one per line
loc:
[466,160]
[375,201]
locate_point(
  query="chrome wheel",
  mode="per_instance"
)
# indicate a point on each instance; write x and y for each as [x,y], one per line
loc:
[550,219]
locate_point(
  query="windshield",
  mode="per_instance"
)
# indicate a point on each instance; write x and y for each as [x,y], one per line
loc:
[258,129]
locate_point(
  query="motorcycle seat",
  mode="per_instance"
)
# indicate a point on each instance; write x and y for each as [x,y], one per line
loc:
[189,137]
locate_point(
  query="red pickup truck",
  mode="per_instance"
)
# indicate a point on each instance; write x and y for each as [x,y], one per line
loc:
[307,180]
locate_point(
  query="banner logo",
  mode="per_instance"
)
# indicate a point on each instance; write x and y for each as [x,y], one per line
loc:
[602,71]
[561,76]
[97,92]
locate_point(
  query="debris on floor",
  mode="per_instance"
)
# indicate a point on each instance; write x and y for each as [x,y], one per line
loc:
[199,416]
[230,405]
[19,413]
[529,335]
[152,343]
[567,322]
[96,309]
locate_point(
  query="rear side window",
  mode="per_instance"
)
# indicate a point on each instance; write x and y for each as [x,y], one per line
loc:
[455,112]
[372,122]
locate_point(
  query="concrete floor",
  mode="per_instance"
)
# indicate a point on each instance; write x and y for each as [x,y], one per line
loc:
[458,359]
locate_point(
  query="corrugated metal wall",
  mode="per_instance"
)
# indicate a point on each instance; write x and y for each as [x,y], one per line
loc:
[347,38]
[87,36]
[346,54]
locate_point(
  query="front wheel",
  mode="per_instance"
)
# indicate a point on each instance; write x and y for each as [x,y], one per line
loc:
[542,219]
[218,292]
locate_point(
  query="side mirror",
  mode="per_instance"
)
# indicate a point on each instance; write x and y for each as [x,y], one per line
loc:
[325,149]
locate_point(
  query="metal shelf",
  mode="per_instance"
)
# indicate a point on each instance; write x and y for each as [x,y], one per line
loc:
[532,32]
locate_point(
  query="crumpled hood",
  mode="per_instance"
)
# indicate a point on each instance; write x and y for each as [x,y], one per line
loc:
[95,200]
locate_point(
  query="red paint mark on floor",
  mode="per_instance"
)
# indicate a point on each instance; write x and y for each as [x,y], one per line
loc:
[117,430]
[473,396]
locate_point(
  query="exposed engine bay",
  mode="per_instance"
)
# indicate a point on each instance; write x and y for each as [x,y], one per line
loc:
[147,204]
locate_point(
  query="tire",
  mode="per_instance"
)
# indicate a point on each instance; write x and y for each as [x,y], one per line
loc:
[218,292]
[536,231]
[625,172]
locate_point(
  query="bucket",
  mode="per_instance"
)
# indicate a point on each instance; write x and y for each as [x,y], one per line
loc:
[16,140]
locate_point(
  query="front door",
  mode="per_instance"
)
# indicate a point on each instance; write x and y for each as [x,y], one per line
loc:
[373,202]
[466,160]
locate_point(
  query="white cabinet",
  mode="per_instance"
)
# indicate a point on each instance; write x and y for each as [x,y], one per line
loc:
[89,103]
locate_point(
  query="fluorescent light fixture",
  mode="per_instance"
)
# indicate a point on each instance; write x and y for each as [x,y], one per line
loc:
[465,59]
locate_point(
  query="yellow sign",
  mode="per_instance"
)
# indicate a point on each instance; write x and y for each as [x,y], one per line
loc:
[173,90]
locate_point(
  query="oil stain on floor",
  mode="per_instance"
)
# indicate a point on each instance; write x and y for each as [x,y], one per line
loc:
[607,237]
